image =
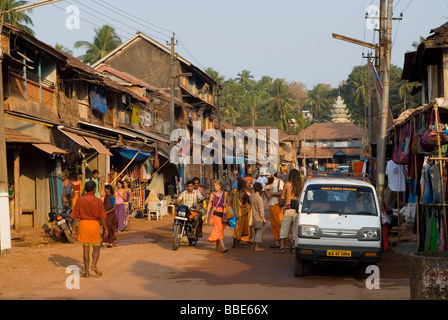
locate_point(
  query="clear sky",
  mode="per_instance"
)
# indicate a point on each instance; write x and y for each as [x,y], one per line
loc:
[289,39]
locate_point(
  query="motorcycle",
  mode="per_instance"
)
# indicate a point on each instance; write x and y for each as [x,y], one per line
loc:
[62,225]
[183,226]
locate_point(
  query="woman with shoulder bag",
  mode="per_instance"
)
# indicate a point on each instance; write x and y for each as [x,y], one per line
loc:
[257,219]
[215,213]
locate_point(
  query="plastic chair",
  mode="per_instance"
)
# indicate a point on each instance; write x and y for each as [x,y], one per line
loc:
[153,209]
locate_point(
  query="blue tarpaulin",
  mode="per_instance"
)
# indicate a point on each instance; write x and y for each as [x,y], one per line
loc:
[130,153]
[97,99]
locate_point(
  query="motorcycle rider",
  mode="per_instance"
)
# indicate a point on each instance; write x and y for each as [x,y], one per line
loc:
[191,197]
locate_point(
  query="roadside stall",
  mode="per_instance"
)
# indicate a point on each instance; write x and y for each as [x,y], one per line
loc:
[420,144]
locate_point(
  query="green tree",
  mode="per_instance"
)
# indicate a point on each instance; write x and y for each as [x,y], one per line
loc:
[279,104]
[319,102]
[415,44]
[105,41]
[215,76]
[245,78]
[63,49]
[21,19]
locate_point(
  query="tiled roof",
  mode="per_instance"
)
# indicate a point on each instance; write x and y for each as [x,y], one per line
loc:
[13,136]
[331,131]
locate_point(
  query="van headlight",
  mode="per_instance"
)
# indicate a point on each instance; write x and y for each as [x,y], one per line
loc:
[369,234]
[308,231]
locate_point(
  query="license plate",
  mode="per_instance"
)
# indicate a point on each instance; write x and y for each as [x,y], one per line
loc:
[339,253]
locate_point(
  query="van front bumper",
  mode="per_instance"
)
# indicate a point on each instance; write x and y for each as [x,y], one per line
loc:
[370,255]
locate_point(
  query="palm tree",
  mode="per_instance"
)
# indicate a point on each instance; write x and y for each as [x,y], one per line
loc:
[63,49]
[280,104]
[245,79]
[319,102]
[415,44]
[17,19]
[105,41]
[212,73]
[404,91]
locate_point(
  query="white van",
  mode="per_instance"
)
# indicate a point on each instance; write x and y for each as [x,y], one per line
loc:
[338,220]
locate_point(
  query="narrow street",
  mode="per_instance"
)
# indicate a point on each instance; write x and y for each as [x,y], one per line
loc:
[144,267]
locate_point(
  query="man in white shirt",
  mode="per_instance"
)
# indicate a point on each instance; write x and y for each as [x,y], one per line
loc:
[276,190]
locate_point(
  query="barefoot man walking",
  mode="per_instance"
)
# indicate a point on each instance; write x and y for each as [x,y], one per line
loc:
[89,212]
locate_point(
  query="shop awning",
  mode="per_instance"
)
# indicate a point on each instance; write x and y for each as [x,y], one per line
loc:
[78,139]
[131,153]
[49,148]
[98,146]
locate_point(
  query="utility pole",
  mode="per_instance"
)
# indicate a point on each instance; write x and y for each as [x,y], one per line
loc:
[384,112]
[172,89]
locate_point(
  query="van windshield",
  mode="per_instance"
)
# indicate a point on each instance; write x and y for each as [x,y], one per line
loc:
[341,199]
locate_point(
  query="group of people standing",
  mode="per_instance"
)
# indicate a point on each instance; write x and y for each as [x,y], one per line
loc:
[248,201]
[116,202]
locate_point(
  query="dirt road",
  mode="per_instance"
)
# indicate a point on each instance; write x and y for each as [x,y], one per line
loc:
[144,266]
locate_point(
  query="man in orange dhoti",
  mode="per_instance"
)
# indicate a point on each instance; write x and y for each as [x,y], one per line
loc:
[89,212]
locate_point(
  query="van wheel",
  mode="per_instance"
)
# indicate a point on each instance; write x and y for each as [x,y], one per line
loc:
[299,267]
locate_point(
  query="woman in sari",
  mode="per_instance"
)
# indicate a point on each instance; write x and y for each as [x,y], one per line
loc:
[77,184]
[120,195]
[241,205]
[215,211]
[111,220]
[127,202]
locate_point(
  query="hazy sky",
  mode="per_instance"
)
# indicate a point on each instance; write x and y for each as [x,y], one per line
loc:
[289,39]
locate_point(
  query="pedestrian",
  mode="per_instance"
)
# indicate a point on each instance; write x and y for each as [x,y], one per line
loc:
[127,202]
[77,186]
[291,190]
[96,179]
[234,180]
[68,190]
[111,221]
[225,183]
[120,195]
[275,208]
[197,185]
[89,213]
[241,205]
[101,189]
[215,211]
[11,195]
[257,219]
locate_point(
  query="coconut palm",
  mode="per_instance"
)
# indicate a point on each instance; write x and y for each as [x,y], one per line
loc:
[415,44]
[212,73]
[105,41]
[63,49]
[404,91]
[319,102]
[245,79]
[279,104]
[21,19]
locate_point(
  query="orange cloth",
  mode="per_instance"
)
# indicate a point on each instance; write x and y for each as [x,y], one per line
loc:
[276,216]
[89,207]
[89,232]
[218,229]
